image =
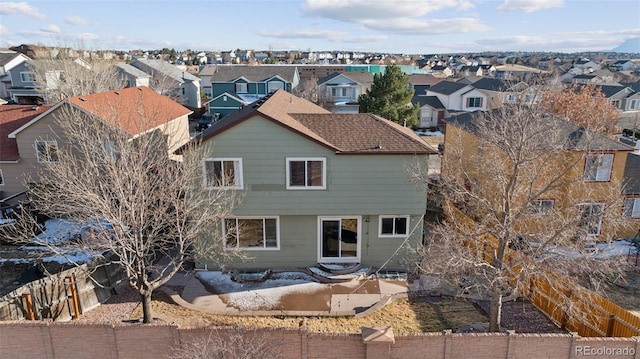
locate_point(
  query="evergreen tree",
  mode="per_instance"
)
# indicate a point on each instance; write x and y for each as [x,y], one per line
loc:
[390,97]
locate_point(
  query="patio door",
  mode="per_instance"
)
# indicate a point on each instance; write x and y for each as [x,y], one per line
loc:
[339,240]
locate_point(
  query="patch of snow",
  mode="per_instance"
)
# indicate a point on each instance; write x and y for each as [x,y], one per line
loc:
[58,231]
[319,271]
[429,133]
[257,295]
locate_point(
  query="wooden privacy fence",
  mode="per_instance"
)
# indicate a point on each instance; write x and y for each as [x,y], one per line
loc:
[62,296]
[570,305]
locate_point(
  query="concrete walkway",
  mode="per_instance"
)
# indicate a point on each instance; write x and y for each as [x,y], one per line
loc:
[355,297]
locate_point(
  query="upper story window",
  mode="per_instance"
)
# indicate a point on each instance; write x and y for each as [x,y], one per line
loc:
[223,173]
[242,87]
[47,151]
[393,226]
[340,91]
[27,77]
[598,167]
[474,102]
[511,98]
[306,173]
[616,103]
[275,85]
[631,207]
[1,179]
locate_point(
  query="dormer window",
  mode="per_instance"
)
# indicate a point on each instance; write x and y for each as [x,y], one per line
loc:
[241,87]
[27,77]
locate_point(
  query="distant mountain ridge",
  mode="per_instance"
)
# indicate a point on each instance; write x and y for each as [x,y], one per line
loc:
[629,46]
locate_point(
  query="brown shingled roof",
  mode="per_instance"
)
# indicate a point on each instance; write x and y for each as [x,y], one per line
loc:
[364,133]
[13,117]
[134,110]
[343,133]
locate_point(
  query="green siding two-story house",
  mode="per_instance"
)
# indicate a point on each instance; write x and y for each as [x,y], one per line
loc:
[316,187]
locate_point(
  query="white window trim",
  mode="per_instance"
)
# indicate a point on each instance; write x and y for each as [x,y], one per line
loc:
[264,248]
[244,85]
[322,259]
[591,204]
[278,85]
[237,166]
[324,173]
[32,74]
[394,235]
[47,143]
[601,171]
[1,178]
[634,212]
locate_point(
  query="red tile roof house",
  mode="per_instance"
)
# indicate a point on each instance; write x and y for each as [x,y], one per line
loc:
[32,136]
[316,187]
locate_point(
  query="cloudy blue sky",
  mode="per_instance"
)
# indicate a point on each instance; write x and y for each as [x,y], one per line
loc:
[394,26]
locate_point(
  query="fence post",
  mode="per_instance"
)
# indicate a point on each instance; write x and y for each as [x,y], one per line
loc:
[29,306]
[610,325]
[74,295]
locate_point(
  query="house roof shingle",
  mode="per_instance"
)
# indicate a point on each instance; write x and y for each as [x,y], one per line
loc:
[568,135]
[13,117]
[490,84]
[446,87]
[432,101]
[227,73]
[167,69]
[343,133]
[134,110]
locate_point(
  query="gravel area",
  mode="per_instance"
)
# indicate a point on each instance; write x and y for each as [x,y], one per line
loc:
[116,310]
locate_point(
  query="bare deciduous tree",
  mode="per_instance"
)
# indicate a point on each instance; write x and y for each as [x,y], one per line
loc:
[147,210]
[64,72]
[521,179]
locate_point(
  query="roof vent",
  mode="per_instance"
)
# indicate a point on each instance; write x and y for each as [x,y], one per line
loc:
[379,146]
[116,92]
[82,99]
[35,108]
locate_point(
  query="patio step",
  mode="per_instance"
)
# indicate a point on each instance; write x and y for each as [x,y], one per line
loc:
[336,273]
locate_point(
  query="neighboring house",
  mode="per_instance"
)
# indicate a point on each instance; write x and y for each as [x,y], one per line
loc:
[22,87]
[441,71]
[616,95]
[432,111]
[499,92]
[133,76]
[632,102]
[631,191]
[315,187]
[341,90]
[247,83]
[421,82]
[451,94]
[465,71]
[13,117]
[169,80]
[623,65]
[604,163]
[9,60]
[516,73]
[135,110]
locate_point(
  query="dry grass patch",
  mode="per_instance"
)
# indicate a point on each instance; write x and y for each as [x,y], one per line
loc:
[405,316]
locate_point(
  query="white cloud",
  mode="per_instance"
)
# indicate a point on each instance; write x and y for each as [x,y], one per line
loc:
[51,28]
[303,34]
[361,10]
[20,9]
[529,5]
[75,20]
[3,31]
[428,27]
[334,36]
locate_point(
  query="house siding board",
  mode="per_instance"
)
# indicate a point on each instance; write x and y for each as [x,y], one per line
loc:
[362,185]
[355,184]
